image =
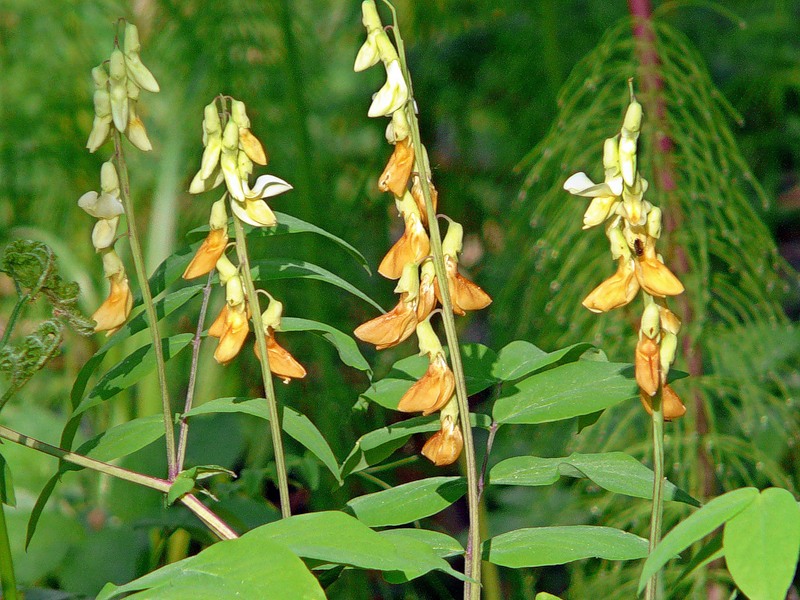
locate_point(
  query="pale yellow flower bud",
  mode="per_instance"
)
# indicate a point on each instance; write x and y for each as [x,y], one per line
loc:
[453,240]
[104,232]
[651,321]
[112,265]
[219,215]
[118,90]
[428,340]
[239,114]
[135,132]
[234,291]
[271,317]
[109,181]
[226,269]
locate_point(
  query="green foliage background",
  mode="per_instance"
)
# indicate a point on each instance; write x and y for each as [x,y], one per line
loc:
[487,78]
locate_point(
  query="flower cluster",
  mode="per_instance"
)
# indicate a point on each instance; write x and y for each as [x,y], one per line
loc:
[229,154]
[117,84]
[409,261]
[633,225]
[106,207]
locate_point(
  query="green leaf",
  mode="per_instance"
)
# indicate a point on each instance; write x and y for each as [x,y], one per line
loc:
[521,358]
[7,496]
[376,446]
[182,485]
[567,391]
[164,307]
[614,471]
[477,360]
[131,370]
[442,546]
[408,502]
[344,344]
[252,566]
[122,440]
[336,537]
[696,527]
[546,596]
[295,424]
[761,545]
[270,269]
[541,546]
[290,224]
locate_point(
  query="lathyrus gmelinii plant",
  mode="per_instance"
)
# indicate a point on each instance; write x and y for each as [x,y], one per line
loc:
[633,225]
[426,268]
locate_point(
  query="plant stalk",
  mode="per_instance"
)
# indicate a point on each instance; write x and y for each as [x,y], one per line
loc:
[266,375]
[12,319]
[183,432]
[653,591]
[217,525]
[472,565]
[147,299]
[8,578]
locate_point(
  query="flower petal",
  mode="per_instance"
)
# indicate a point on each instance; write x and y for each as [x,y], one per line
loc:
[267,186]
[254,212]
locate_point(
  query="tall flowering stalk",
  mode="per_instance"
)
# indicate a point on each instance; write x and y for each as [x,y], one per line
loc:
[633,226]
[426,269]
[230,153]
[118,83]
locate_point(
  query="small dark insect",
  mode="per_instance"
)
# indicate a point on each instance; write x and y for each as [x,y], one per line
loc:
[638,247]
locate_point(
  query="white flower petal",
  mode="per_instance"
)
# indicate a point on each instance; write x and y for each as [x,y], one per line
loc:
[267,186]
[104,232]
[103,206]
[577,182]
[392,95]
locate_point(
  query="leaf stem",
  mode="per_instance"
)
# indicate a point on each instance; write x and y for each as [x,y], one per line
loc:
[12,319]
[206,515]
[8,578]
[147,299]
[183,432]
[472,587]
[653,591]
[275,416]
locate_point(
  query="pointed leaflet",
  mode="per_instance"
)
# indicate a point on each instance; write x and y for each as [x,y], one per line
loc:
[339,538]
[567,391]
[295,424]
[540,546]
[761,544]
[270,269]
[695,527]
[614,471]
[344,344]
[520,358]
[408,502]
[229,569]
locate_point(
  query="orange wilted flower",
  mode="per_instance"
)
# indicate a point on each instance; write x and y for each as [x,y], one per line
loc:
[653,275]
[419,198]
[618,290]
[207,254]
[112,314]
[427,292]
[432,391]
[391,328]
[398,170]
[647,365]
[281,362]
[464,294]
[233,335]
[671,404]
[218,326]
[444,447]
[412,247]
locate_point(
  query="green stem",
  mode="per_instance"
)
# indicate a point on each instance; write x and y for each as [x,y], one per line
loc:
[266,374]
[8,578]
[472,569]
[12,319]
[653,591]
[217,525]
[147,299]
[183,432]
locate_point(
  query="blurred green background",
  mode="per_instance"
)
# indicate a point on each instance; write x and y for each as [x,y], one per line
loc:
[486,76]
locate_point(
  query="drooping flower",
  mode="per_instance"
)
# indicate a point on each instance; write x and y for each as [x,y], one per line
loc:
[618,290]
[112,314]
[647,365]
[671,404]
[281,362]
[234,333]
[435,388]
[398,170]
[653,275]
[445,446]
[391,328]
[213,246]
[427,292]
[464,294]
[394,93]
[412,247]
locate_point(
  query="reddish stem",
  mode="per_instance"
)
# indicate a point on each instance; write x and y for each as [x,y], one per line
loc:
[650,85]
